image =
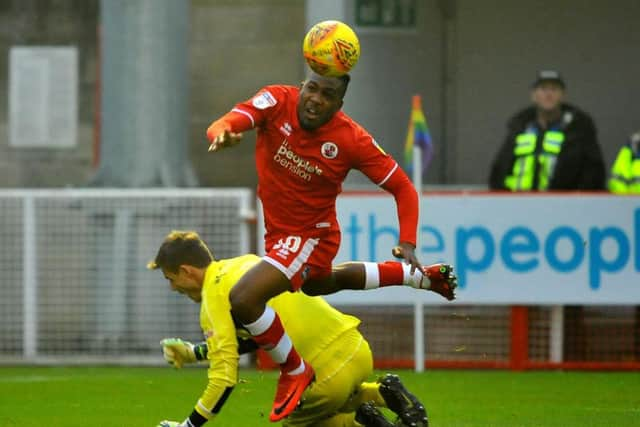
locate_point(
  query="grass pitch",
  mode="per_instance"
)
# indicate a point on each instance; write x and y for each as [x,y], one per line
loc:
[141,397]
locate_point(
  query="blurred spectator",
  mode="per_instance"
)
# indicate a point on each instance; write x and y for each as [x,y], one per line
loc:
[625,173]
[550,145]
[625,179]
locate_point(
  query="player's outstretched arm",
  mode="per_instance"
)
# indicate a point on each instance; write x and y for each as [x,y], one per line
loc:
[227,130]
[224,140]
[406,199]
[220,385]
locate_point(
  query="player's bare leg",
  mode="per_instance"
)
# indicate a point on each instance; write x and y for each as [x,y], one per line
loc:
[248,300]
[249,296]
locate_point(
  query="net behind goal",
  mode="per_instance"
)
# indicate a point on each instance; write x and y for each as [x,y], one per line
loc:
[73,265]
[504,337]
[74,288]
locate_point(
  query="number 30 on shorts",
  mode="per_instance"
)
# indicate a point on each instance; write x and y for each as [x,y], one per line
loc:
[288,244]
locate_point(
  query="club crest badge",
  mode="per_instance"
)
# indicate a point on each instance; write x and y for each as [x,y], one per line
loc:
[329,150]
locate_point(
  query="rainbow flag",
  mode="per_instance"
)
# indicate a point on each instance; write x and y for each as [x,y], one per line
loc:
[418,134]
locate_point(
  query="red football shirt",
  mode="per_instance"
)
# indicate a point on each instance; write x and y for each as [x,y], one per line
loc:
[300,173]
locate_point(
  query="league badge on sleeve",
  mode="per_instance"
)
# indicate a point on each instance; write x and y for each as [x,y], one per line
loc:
[264,100]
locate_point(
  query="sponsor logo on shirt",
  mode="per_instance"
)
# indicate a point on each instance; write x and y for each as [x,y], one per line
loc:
[329,150]
[286,129]
[264,100]
[287,158]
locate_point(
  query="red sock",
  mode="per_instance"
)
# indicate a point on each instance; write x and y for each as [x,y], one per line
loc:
[391,273]
[275,341]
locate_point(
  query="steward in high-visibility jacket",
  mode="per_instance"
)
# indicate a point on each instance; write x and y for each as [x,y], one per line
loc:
[625,173]
[563,156]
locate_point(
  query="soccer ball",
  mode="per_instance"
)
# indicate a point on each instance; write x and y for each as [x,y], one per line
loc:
[331,48]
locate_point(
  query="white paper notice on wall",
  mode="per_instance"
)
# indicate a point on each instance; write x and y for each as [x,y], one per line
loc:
[43,96]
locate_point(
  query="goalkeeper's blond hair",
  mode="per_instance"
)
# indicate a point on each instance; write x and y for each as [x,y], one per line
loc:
[181,248]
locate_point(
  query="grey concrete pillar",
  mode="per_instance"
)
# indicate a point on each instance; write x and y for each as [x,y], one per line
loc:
[144,96]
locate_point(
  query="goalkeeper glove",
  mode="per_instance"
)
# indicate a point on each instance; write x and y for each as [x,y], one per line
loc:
[177,352]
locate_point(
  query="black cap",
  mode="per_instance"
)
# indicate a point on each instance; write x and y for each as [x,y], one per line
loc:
[548,76]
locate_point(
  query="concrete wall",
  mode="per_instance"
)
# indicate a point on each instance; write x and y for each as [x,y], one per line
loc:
[32,22]
[500,44]
[471,61]
[236,48]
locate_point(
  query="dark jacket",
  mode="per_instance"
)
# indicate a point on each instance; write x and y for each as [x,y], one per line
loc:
[580,165]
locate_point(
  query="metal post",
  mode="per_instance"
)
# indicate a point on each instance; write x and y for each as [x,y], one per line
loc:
[30,280]
[556,334]
[418,335]
[418,317]
[519,357]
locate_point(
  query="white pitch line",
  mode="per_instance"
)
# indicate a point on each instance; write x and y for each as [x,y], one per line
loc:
[31,379]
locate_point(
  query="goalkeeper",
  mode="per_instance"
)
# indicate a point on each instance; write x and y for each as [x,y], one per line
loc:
[326,337]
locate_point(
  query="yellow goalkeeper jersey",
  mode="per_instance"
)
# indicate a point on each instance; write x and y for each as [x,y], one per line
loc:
[311,323]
